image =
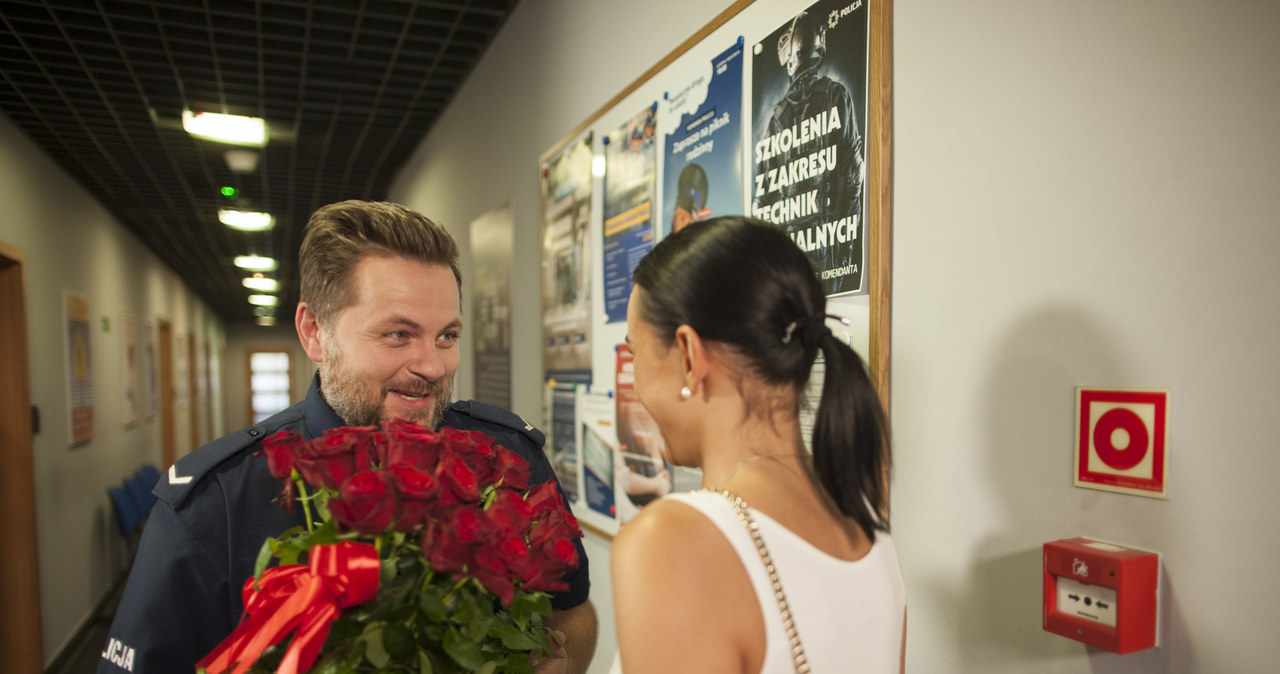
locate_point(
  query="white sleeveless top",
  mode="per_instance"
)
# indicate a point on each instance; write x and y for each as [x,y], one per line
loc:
[848,614]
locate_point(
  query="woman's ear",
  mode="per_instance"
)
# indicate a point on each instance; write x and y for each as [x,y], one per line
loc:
[309,332]
[693,356]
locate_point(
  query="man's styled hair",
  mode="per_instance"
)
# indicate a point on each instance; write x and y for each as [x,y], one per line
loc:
[340,235]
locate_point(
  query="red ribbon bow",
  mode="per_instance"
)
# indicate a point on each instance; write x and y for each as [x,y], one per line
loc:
[302,597]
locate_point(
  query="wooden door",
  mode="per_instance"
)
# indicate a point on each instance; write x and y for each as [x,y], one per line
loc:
[168,436]
[20,643]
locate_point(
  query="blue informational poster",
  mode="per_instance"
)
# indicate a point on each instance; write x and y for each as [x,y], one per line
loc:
[702,173]
[630,166]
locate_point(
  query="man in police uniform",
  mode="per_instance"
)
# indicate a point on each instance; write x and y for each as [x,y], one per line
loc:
[381,317]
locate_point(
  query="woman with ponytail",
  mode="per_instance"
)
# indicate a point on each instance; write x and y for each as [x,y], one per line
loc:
[783,561]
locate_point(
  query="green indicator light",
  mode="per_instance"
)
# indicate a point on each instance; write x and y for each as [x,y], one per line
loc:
[230,192]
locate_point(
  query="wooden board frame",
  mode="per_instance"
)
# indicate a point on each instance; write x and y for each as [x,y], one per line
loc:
[878,189]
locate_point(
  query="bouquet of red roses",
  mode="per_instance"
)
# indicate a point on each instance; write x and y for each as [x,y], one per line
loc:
[431,554]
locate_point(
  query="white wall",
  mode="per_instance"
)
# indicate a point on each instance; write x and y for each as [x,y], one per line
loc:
[1083,195]
[70,242]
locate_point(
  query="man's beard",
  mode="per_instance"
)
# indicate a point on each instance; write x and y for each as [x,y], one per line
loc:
[358,401]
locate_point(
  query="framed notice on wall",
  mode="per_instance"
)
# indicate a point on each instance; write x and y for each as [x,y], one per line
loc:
[491,305]
[75,316]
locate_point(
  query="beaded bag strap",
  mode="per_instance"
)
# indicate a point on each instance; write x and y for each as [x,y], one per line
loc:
[788,625]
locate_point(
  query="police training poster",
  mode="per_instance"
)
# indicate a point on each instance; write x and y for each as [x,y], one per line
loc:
[629,181]
[809,101]
[702,173]
[566,268]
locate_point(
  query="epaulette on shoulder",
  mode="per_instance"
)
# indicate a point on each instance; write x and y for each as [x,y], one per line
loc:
[188,471]
[497,415]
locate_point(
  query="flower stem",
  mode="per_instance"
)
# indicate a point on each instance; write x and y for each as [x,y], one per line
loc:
[306,501]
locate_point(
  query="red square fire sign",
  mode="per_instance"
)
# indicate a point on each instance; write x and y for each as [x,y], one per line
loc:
[1121,440]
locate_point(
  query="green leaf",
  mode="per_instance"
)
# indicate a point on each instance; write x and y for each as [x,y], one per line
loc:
[398,641]
[513,638]
[489,667]
[433,607]
[325,534]
[424,663]
[375,652]
[464,651]
[527,605]
[264,558]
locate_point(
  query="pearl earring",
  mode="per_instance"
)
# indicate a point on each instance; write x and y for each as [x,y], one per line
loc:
[686,393]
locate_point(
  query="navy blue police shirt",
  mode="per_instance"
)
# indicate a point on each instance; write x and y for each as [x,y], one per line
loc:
[216,508]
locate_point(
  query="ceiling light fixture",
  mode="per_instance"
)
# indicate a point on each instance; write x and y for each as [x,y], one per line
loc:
[260,282]
[233,129]
[247,221]
[264,300]
[256,263]
[241,161]
[266,320]
[264,311]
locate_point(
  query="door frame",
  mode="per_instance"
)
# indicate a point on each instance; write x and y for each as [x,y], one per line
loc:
[20,622]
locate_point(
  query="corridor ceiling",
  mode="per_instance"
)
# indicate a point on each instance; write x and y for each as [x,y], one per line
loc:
[348,89]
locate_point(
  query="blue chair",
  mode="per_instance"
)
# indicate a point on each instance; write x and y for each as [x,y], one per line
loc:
[146,483]
[142,497]
[128,516]
[150,475]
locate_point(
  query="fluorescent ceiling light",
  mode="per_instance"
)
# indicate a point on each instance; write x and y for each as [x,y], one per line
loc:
[264,311]
[266,320]
[264,300]
[259,282]
[241,161]
[246,220]
[233,129]
[256,263]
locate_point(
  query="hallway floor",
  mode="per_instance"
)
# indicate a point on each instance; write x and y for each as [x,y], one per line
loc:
[82,656]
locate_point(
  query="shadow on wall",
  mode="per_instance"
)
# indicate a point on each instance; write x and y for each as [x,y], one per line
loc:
[1029,410]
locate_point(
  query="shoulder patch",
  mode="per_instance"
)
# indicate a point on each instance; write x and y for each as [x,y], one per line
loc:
[187,472]
[497,415]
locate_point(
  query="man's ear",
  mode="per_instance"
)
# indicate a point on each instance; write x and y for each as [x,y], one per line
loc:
[309,332]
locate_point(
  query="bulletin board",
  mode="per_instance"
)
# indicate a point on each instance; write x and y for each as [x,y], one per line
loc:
[776,108]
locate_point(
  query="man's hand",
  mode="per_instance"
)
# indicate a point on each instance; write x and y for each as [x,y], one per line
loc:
[577,629]
[557,662]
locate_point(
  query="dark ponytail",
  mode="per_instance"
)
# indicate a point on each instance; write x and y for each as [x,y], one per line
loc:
[745,283]
[851,439]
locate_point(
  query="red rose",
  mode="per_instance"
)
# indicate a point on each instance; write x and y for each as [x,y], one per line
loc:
[543,498]
[417,495]
[366,503]
[408,444]
[490,566]
[330,460]
[553,524]
[510,469]
[448,541]
[280,450]
[548,563]
[509,514]
[456,475]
